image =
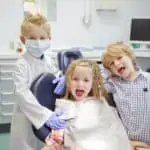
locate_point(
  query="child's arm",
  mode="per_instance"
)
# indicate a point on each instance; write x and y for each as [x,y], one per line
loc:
[36,113]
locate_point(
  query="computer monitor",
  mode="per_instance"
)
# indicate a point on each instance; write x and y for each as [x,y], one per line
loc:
[140,30]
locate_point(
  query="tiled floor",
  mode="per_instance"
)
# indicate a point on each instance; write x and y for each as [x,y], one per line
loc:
[4,141]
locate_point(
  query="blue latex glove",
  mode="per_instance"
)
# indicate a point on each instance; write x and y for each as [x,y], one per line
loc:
[54,122]
[60,88]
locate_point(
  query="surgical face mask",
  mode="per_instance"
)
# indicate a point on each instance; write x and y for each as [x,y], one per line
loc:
[37,47]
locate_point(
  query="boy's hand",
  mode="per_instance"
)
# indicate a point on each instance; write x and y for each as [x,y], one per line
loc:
[54,122]
[137,144]
[60,87]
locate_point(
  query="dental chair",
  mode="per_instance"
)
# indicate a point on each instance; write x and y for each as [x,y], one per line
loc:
[65,58]
[43,88]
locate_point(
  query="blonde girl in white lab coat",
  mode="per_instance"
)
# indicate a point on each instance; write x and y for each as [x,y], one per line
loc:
[92,124]
[35,32]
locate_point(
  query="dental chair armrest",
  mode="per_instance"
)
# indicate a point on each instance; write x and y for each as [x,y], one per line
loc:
[42,88]
[41,133]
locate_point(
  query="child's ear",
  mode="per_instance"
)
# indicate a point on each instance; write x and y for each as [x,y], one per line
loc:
[22,39]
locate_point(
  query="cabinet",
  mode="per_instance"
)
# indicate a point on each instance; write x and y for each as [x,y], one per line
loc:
[6,88]
[106,5]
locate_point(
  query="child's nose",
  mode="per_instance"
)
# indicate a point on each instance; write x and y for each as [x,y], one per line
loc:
[80,83]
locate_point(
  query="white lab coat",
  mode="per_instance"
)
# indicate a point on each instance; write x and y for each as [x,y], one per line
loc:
[27,110]
[95,125]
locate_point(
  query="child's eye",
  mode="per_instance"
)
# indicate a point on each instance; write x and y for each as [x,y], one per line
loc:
[42,38]
[86,80]
[32,38]
[119,57]
[75,79]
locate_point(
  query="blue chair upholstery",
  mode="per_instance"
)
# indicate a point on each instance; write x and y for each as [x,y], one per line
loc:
[42,88]
[65,58]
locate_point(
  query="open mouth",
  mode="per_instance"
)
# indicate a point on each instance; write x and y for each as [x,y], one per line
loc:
[79,92]
[121,69]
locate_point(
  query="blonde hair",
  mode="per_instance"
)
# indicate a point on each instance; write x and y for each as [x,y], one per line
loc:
[97,90]
[37,19]
[115,50]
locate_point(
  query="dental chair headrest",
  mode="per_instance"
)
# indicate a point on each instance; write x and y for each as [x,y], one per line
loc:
[65,58]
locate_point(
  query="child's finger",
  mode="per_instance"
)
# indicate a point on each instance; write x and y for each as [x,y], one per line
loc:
[55,145]
[57,135]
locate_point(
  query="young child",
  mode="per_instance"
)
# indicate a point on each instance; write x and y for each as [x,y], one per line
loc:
[130,87]
[91,123]
[35,32]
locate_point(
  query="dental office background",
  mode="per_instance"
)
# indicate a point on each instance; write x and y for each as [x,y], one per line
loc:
[89,25]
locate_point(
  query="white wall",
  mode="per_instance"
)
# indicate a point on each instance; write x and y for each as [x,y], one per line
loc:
[106,27]
[11,12]
[68,30]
